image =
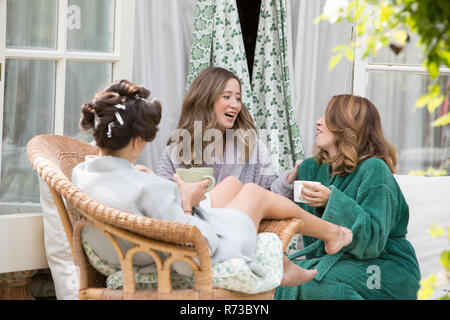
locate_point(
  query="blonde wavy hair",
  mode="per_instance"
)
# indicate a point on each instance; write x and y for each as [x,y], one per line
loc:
[356,124]
[198,105]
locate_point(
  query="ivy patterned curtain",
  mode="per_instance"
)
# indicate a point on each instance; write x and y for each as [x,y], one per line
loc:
[217,40]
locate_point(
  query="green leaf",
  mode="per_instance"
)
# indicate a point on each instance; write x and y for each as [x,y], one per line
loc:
[359,11]
[339,47]
[433,69]
[445,56]
[351,5]
[427,286]
[366,54]
[386,12]
[400,37]
[432,172]
[360,28]
[334,61]
[434,89]
[445,259]
[435,102]
[436,230]
[429,281]
[425,293]
[320,18]
[422,100]
[350,54]
[442,120]
[416,173]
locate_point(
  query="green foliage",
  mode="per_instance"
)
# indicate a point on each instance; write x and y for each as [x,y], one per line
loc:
[430,172]
[433,281]
[445,259]
[442,121]
[379,23]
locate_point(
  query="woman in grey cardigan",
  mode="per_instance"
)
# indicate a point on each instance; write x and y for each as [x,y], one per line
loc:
[212,108]
[123,121]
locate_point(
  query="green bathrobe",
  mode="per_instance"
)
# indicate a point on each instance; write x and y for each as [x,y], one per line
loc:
[379,263]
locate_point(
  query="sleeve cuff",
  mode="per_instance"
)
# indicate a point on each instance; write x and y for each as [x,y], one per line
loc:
[280,186]
[339,209]
[287,186]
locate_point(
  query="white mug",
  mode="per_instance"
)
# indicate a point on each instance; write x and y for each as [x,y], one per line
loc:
[298,190]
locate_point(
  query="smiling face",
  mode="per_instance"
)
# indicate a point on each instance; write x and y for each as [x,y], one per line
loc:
[325,139]
[228,105]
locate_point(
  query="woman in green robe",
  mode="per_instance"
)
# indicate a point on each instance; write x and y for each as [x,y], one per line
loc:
[354,164]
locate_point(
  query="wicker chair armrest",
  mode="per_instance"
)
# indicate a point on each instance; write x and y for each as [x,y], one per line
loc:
[285,229]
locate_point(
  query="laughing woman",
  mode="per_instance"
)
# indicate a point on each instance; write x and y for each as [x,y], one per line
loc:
[212,107]
[355,166]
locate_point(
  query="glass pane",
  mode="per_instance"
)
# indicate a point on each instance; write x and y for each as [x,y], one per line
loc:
[410,54]
[90,25]
[32,24]
[83,80]
[407,127]
[28,111]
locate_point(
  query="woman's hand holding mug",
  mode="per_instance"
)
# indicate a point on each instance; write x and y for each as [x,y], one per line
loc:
[191,193]
[314,194]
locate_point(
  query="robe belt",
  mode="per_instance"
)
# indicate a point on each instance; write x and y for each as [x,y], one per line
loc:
[325,263]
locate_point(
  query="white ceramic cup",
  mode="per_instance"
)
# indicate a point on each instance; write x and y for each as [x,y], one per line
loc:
[298,190]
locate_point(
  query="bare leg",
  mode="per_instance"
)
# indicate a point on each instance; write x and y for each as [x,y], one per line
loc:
[225,191]
[259,203]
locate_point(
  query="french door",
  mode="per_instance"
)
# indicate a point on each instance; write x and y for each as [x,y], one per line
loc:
[54,55]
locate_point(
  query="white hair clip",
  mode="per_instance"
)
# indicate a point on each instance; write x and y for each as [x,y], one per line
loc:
[118,117]
[110,126]
[120,106]
[96,122]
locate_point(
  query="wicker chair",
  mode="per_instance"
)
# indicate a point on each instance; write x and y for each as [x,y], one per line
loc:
[53,157]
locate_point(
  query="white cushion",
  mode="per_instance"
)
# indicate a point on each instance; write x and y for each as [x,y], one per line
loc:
[429,202]
[57,248]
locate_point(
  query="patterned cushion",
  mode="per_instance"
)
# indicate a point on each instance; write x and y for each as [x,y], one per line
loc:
[102,266]
[293,245]
[232,274]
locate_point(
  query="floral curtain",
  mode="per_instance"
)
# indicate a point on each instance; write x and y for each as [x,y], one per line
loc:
[217,40]
[272,88]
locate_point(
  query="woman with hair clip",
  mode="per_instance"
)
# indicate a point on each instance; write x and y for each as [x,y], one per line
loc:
[221,134]
[123,120]
[355,164]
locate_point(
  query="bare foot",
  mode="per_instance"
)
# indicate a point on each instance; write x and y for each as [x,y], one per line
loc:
[340,239]
[293,275]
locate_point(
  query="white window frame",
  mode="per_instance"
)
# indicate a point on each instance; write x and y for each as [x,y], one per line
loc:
[362,67]
[121,58]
